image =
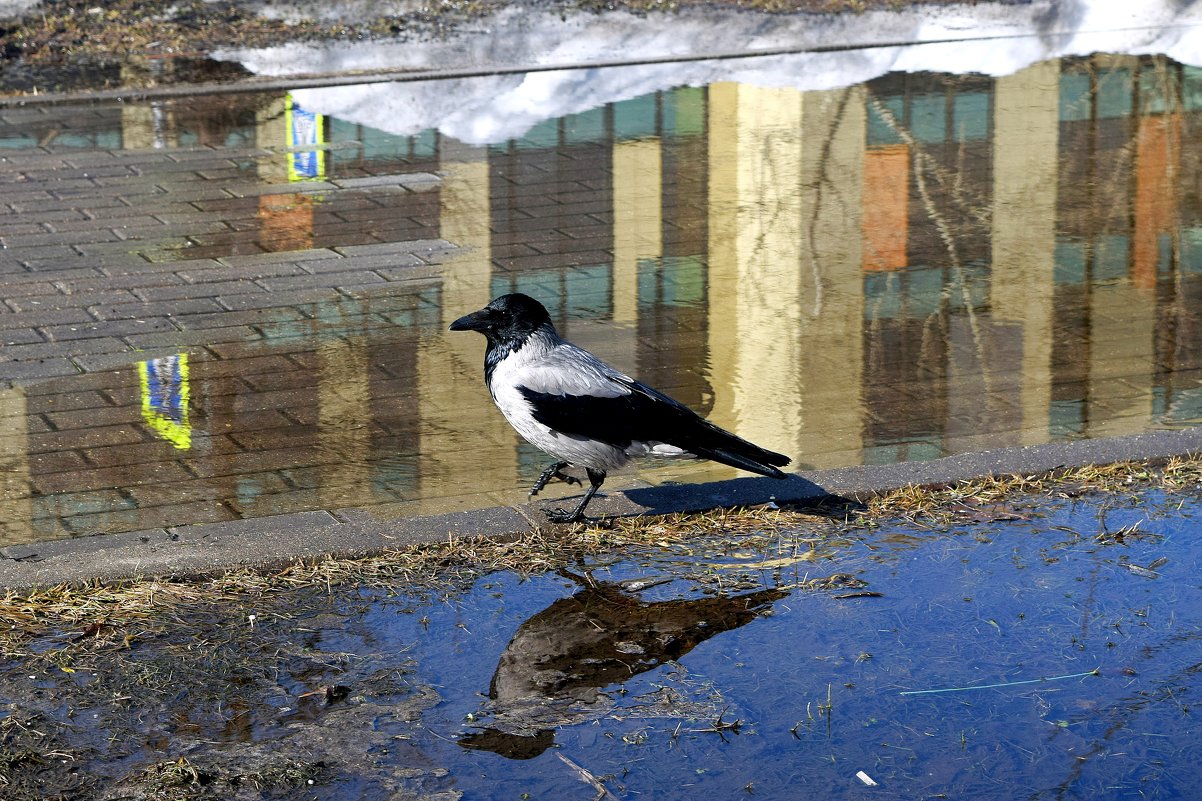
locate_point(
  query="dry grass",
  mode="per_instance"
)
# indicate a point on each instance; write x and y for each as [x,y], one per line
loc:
[103,610]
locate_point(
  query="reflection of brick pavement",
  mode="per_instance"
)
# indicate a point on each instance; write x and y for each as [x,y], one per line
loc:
[111,257]
[107,252]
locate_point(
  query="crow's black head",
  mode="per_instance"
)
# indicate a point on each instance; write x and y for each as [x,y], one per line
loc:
[509,318]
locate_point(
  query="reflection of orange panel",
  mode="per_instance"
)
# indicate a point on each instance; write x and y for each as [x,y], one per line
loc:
[1157,153]
[286,222]
[886,206]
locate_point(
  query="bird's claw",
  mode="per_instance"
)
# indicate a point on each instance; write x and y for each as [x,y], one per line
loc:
[563,515]
[554,471]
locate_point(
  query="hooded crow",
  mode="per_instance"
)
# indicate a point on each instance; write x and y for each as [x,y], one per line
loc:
[584,413]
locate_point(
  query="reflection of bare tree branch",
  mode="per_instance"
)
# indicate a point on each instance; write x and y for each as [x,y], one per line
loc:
[824,182]
[924,162]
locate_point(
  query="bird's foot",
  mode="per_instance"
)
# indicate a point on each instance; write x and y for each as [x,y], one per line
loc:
[554,471]
[565,515]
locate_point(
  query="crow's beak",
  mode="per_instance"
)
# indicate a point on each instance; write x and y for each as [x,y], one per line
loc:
[476,321]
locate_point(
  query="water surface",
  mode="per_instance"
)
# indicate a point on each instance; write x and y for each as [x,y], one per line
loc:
[257,294]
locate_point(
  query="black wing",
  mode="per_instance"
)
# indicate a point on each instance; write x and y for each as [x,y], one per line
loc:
[646,415]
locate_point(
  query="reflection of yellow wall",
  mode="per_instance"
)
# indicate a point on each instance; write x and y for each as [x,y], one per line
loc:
[1122,325]
[16,508]
[784,291]
[755,293]
[344,416]
[1025,171]
[638,219]
[831,327]
[271,131]
[139,128]
[462,432]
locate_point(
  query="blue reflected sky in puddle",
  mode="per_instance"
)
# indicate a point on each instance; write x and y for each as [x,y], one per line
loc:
[986,603]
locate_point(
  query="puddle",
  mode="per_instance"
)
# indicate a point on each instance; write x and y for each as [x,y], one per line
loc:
[1047,647]
[235,306]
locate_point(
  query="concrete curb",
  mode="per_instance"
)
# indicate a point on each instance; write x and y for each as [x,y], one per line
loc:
[276,541]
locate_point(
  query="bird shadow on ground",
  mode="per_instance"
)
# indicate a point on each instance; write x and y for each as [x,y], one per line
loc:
[795,491]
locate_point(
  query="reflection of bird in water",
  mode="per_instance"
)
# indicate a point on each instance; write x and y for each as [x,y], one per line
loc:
[553,670]
[570,404]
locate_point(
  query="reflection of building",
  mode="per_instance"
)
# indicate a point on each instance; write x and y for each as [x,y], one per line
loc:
[922,265]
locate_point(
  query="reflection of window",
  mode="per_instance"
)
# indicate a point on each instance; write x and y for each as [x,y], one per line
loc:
[165,398]
[934,116]
[672,281]
[584,291]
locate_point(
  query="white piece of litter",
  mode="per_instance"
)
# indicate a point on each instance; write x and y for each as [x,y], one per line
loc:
[864,777]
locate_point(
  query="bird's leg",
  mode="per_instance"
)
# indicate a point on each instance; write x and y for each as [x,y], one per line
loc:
[595,478]
[554,471]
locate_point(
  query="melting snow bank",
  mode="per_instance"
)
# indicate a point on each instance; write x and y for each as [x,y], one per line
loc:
[562,54]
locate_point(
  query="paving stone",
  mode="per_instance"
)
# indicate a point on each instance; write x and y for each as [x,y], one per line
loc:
[47,350]
[418,246]
[224,319]
[43,317]
[140,310]
[309,280]
[206,289]
[107,328]
[177,339]
[21,371]
[59,301]
[250,272]
[265,300]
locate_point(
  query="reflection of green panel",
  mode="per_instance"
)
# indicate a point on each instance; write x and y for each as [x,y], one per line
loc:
[587,126]
[1070,263]
[976,275]
[684,280]
[882,298]
[923,452]
[546,292]
[501,284]
[1110,258]
[1187,406]
[1164,253]
[101,140]
[684,112]
[380,145]
[1066,419]
[531,461]
[1191,90]
[1152,90]
[928,118]
[1114,93]
[589,289]
[1191,250]
[1074,96]
[648,282]
[969,287]
[18,140]
[425,143]
[635,118]
[881,126]
[924,291]
[882,454]
[545,134]
[342,131]
[970,116]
